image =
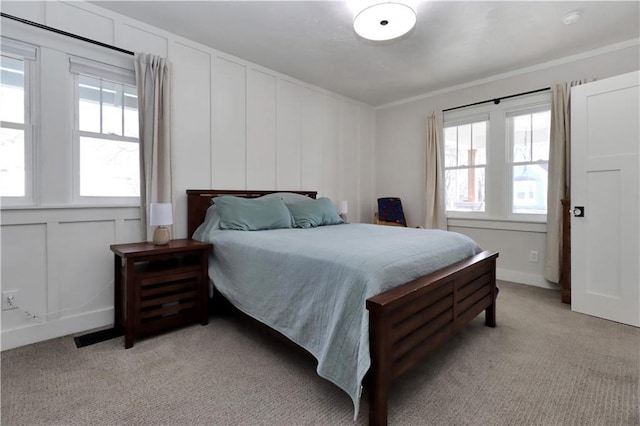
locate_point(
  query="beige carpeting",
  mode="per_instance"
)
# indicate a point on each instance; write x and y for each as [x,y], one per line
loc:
[542,365]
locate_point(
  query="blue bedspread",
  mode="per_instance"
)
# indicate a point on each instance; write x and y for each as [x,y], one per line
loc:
[311,284]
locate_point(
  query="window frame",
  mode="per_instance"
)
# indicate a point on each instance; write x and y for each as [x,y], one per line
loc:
[461,121]
[512,112]
[12,49]
[498,168]
[77,198]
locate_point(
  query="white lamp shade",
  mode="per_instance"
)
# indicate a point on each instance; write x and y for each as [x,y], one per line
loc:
[343,207]
[380,20]
[160,214]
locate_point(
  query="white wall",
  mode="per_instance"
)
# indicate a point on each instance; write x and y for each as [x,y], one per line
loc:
[400,151]
[236,125]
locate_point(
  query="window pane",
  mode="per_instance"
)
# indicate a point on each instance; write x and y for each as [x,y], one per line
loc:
[11,90]
[12,178]
[464,144]
[109,168]
[530,189]
[541,123]
[521,138]
[450,147]
[479,131]
[111,108]
[465,189]
[130,112]
[89,104]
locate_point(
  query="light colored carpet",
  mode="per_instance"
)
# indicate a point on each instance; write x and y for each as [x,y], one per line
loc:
[542,365]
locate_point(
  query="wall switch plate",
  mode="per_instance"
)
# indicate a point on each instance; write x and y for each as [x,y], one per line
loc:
[533,256]
[5,299]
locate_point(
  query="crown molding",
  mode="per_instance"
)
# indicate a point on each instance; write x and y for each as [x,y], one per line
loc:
[544,65]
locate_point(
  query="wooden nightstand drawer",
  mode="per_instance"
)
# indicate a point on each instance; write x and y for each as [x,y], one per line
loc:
[169,295]
[159,287]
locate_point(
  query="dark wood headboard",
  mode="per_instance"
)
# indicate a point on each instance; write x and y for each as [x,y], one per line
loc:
[199,200]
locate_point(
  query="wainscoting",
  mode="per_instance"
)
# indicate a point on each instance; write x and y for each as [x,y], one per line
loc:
[59,260]
[235,125]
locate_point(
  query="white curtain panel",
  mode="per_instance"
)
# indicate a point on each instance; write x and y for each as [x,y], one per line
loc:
[559,174]
[154,112]
[436,216]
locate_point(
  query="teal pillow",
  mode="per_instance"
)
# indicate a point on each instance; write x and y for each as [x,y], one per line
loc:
[312,213]
[211,223]
[287,197]
[244,214]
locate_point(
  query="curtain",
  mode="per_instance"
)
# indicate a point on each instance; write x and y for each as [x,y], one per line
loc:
[559,182]
[154,115]
[436,213]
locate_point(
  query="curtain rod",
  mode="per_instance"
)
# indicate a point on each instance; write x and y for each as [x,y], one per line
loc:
[57,31]
[497,100]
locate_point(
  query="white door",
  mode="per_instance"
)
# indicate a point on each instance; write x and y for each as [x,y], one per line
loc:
[605,158]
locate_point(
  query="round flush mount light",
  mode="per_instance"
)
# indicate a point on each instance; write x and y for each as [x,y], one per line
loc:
[571,17]
[383,20]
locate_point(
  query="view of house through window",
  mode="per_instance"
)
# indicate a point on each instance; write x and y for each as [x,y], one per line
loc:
[109,153]
[465,149]
[12,127]
[530,163]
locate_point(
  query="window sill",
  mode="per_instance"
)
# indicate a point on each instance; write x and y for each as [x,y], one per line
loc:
[37,215]
[70,206]
[498,224]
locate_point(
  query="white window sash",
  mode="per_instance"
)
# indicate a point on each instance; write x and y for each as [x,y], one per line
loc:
[107,136]
[13,47]
[27,53]
[529,109]
[456,119]
[116,76]
[509,115]
[78,65]
[12,125]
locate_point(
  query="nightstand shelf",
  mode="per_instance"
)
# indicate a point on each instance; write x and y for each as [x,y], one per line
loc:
[159,287]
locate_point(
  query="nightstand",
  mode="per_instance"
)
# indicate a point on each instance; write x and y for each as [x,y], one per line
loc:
[159,287]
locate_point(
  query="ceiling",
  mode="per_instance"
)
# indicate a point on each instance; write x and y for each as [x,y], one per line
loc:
[453,42]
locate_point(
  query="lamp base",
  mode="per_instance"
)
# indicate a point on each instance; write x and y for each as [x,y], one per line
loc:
[161,236]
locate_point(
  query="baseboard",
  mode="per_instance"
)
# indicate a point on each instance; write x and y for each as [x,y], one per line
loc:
[87,321]
[40,331]
[524,278]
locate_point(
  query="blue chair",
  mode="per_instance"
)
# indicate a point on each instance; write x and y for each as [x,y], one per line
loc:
[390,212]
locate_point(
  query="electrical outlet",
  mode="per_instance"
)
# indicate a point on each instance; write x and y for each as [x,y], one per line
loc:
[9,299]
[533,256]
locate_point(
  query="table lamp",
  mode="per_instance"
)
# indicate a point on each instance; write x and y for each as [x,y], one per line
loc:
[160,215]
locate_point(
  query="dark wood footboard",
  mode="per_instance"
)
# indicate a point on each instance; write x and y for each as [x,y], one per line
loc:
[408,322]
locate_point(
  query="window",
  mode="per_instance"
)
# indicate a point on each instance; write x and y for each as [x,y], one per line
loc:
[15,123]
[465,160]
[12,130]
[71,110]
[529,141]
[108,152]
[497,160]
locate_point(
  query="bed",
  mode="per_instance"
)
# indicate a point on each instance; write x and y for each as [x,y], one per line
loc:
[404,323]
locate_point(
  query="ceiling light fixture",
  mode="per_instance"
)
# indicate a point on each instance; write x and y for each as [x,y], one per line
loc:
[380,20]
[571,17]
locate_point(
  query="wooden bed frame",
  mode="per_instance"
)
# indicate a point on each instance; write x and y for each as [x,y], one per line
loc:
[407,322]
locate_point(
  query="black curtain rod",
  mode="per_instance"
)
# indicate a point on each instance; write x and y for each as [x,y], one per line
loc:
[64,33]
[497,100]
